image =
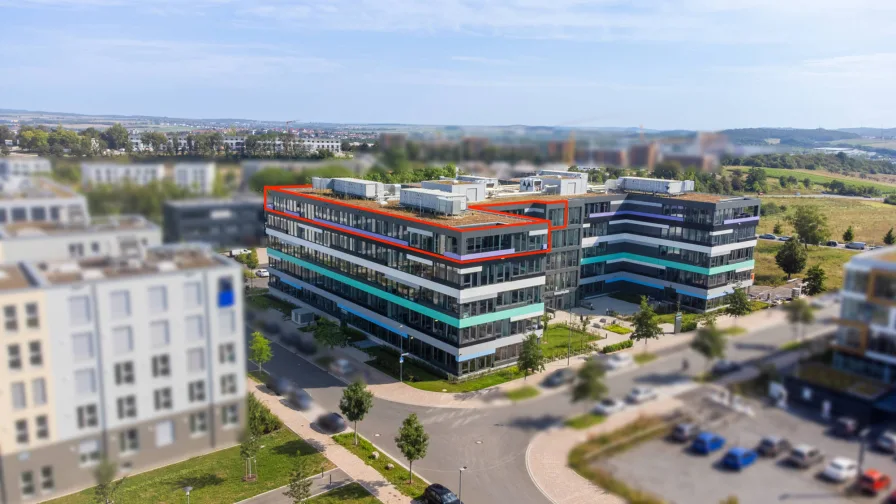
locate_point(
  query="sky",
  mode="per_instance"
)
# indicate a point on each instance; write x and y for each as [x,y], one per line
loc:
[663,64]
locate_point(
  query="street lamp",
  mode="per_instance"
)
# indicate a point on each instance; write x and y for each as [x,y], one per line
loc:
[401,357]
[187,490]
[568,340]
[460,483]
[863,436]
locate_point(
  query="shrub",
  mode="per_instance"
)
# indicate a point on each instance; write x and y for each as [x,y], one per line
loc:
[618,329]
[688,325]
[615,347]
[261,420]
[353,335]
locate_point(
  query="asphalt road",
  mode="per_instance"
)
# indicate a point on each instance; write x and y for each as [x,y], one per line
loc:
[491,442]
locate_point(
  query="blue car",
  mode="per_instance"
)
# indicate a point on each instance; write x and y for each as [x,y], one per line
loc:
[706,443]
[738,458]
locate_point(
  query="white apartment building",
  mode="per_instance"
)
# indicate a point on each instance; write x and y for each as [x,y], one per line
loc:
[138,359]
[38,199]
[108,236]
[24,166]
[118,174]
[197,177]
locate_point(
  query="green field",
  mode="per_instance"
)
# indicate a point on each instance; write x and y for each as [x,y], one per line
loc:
[830,259]
[869,142]
[818,178]
[870,220]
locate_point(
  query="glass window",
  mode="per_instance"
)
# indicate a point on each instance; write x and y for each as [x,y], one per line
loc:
[10,319]
[158,300]
[79,310]
[194,329]
[227,353]
[14,357]
[33,319]
[198,423]
[228,384]
[35,354]
[192,295]
[162,398]
[123,340]
[89,451]
[160,366]
[46,479]
[229,415]
[82,346]
[196,391]
[195,360]
[127,407]
[164,433]
[22,431]
[85,382]
[159,334]
[18,395]
[120,304]
[39,391]
[129,441]
[42,427]
[27,482]
[227,322]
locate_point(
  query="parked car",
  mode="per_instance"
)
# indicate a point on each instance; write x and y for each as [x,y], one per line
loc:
[723,366]
[886,442]
[784,238]
[305,346]
[845,427]
[684,432]
[341,367]
[300,399]
[262,273]
[832,243]
[608,406]
[706,443]
[804,456]
[279,386]
[560,377]
[873,482]
[856,245]
[439,494]
[739,458]
[768,236]
[271,327]
[239,252]
[617,361]
[331,422]
[772,446]
[641,394]
[841,469]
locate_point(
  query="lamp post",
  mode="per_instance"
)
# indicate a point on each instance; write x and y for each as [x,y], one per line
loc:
[460,483]
[568,339]
[863,436]
[401,357]
[187,490]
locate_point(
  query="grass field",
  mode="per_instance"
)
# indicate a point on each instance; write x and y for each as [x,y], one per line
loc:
[353,493]
[215,478]
[818,177]
[830,259]
[522,393]
[584,421]
[398,475]
[869,219]
[869,142]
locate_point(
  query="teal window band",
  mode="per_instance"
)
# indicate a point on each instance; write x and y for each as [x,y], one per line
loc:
[670,264]
[532,310]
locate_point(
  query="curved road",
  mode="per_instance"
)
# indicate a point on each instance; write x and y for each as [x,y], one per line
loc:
[492,442]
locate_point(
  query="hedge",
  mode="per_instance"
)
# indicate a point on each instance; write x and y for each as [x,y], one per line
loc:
[615,347]
[261,420]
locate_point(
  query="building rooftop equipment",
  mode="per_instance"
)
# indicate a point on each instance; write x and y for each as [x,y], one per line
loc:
[97,225]
[434,201]
[650,185]
[201,202]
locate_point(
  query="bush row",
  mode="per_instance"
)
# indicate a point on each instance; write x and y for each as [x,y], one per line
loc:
[615,347]
[261,420]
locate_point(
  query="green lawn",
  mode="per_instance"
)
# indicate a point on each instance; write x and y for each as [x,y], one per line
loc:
[870,220]
[215,478]
[644,358]
[525,392]
[830,259]
[793,345]
[259,376]
[397,476]
[557,338]
[818,178]
[584,421]
[618,329]
[353,493]
[264,302]
[734,331]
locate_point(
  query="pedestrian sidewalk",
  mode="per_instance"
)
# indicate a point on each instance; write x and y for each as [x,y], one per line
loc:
[354,467]
[548,452]
[320,484]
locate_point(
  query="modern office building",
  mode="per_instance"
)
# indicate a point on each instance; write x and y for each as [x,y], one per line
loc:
[138,359]
[197,177]
[459,283]
[119,174]
[38,199]
[24,166]
[44,241]
[238,221]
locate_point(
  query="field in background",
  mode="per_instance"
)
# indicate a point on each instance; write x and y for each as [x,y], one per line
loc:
[830,259]
[818,178]
[868,142]
[869,219]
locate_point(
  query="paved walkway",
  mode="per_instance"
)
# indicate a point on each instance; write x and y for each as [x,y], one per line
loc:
[548,452]
[353,467]
[330,480]
[385,387]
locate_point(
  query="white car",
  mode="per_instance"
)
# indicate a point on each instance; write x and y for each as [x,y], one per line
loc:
[342,367]
[886,442]
[841,469]
[641,394]
[608,406]
[618,361]
[262,273]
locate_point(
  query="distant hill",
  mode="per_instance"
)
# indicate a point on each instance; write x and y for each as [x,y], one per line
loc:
[787,136]
[870,132]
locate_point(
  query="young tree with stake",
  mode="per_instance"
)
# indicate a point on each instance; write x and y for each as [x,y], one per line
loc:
[710,343]
[106,486]
[412,441]
[299,487]
[645,325]
[355,404]
[738,304]
[260,350]
[589,385]
[531,359]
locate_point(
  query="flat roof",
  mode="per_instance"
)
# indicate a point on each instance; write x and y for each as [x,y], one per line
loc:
[467,218]
[15,187]
[156,260]
[241,199]
[97,225]
[452,182]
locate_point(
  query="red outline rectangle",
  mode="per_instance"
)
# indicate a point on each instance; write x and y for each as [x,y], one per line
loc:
[532,220]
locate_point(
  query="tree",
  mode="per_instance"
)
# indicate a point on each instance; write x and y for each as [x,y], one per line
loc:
[709,342]
[116,136]
[412,441]
[849,235]
[252,260]
[260,350]
[329,334]
[814,282]
[667,170]
[355,404]
[531,358]
[106,486]
[249,447]
[645,325]
[778,229]
[299,486]
[810,225]
[791,258]
[738,303]
[890,238]
[756,180]
[807,182]
[589,385]
[799,313]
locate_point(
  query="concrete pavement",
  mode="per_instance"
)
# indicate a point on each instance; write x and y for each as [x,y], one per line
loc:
[320,484]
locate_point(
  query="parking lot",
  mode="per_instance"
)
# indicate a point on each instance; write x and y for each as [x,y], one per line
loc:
[671,472]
